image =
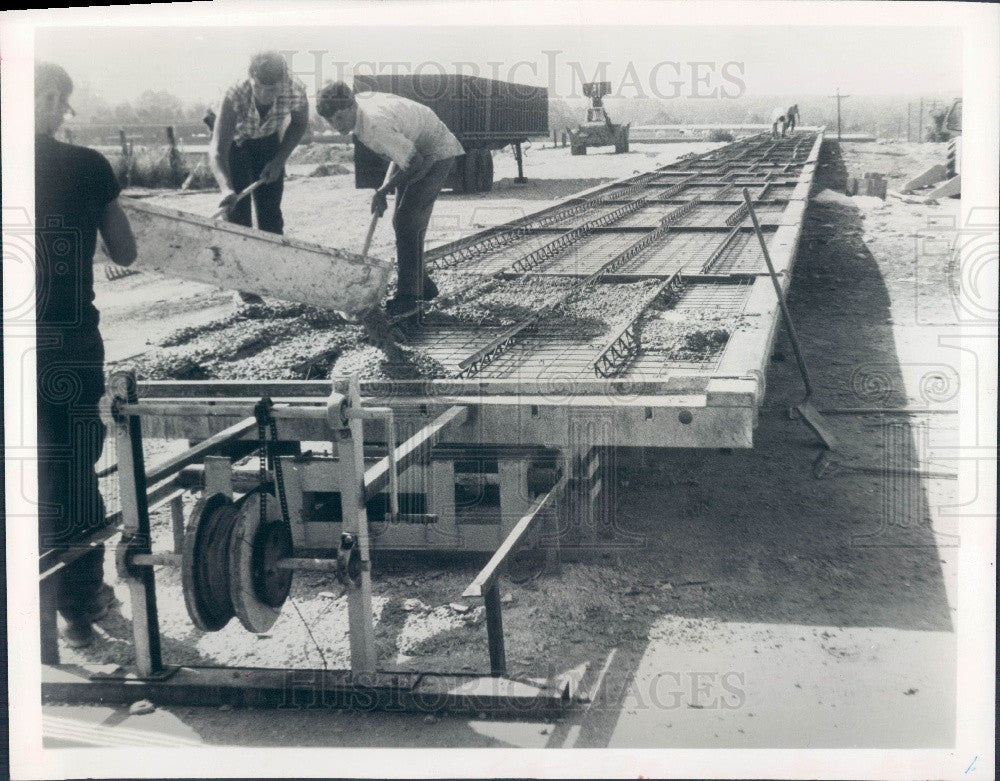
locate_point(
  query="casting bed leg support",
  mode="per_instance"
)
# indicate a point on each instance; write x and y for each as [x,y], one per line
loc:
[177,520]
[135,528]
[494,630]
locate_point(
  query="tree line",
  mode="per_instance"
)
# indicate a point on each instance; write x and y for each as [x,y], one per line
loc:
[884,116]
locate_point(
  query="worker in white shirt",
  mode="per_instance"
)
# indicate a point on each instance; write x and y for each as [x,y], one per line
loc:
[791,117]
[778,118]
[421,152]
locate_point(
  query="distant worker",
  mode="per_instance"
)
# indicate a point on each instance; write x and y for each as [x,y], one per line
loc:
[76,196]
[421,152]
[778,118]
[209,119]
[248,143]
[791,117]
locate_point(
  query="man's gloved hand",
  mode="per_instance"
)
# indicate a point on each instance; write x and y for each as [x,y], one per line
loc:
[273,171]
[379,203]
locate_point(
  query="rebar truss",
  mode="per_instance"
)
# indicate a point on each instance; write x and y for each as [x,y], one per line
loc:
[616,357]
[563,242]
[473,364]
[719,250]
[738,215]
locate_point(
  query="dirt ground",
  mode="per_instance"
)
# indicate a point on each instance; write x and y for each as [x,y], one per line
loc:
[755,605]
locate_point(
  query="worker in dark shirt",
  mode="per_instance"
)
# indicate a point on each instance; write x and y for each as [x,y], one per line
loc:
[75,198]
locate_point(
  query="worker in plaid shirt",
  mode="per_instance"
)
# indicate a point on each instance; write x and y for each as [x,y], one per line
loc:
[248,143]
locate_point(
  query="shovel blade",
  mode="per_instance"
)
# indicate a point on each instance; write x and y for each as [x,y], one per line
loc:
[814,420]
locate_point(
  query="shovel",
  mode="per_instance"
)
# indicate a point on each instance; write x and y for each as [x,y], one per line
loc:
[242,194]
[809,414]
[368,238]
[381,329]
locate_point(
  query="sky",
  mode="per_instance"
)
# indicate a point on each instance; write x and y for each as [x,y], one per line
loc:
[198,63]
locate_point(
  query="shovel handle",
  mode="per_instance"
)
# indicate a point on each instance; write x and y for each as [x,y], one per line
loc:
[240,196]
[785,314]
[368,238]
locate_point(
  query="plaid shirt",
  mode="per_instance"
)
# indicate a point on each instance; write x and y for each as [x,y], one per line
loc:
[248,122]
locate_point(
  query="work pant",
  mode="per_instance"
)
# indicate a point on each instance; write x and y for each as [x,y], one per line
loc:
[246,161]
[790,125]
[414,204]
[70,383]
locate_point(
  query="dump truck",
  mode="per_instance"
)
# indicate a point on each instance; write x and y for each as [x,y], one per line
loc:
[484,114]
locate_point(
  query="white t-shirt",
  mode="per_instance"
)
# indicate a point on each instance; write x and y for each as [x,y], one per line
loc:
[777,115]
[396,127]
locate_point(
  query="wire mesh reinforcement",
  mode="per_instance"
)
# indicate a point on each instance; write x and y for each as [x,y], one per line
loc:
[695,225]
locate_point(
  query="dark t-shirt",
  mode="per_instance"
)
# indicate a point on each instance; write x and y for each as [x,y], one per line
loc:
[73,186]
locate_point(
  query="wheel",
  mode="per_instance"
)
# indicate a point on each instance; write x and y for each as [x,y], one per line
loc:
[457,176]
[257,587]
[578,149]
[621,147]
[484,173]
[470,168]
[205,563]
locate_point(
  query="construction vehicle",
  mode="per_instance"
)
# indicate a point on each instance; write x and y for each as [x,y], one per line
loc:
[484,114]
[598,130]
[945,178]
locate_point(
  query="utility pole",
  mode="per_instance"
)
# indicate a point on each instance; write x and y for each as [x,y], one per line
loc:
[839,97]
[920,123]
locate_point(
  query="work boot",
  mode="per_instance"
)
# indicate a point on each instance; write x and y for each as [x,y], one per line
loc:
[78,633]
[401,306]
[430,289]
[247,298]
[97,608]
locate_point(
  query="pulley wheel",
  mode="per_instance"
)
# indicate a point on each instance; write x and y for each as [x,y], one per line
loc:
[205,562]
[258,587]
